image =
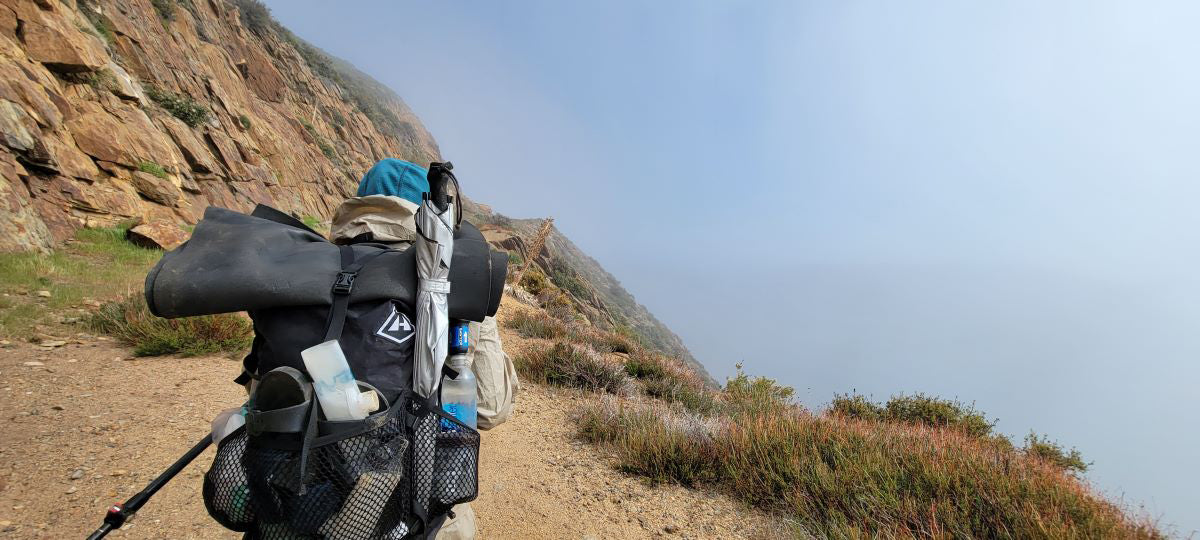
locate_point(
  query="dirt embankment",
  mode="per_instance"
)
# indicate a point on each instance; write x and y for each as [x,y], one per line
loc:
[87,426]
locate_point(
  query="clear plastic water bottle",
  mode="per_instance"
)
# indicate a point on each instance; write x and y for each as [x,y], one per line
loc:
[458,393]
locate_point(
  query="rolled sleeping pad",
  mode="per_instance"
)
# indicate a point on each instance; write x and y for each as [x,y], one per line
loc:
[238,262]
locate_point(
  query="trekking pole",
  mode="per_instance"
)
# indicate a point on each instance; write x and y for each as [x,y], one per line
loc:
[120,512]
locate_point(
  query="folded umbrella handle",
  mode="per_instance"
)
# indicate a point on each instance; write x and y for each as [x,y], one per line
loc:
[440,195]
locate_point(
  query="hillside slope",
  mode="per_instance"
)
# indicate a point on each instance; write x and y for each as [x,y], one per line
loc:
[118,110]
[595,295]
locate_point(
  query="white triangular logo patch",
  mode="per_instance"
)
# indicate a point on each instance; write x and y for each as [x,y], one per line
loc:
[396,327]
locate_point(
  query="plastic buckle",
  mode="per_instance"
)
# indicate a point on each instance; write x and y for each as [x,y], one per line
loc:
[344,282]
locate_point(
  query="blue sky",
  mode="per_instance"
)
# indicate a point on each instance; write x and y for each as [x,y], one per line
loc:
[989,201]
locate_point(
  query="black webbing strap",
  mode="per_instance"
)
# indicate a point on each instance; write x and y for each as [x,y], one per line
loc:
[333,330]
[341,290]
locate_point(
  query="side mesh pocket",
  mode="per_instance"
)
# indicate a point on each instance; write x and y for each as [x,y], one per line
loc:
[226,488]
[445,461]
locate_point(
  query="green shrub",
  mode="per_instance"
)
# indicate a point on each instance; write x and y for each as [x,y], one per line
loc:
[326,149]
[255,15]
[244,120]
[182,107]
[534,281]
[691,394]
[514,259]
[130,321]
[570,283]
[570,365]
[856,406]
[917,409]
[645,365]
[99,22]
[152,168]
[1043,448]
[165,9]
[931,411]
[534,324]
[756,395]
[102,80]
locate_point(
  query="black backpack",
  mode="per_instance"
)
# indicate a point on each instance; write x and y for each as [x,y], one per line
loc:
[291,474]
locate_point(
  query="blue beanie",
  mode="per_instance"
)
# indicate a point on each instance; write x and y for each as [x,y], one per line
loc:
[397,178]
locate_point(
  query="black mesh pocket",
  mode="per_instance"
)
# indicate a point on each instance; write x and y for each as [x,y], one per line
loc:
[445,461]
[226,487]
[378,482]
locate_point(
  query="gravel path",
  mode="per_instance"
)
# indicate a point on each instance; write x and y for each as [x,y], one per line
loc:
[87,426]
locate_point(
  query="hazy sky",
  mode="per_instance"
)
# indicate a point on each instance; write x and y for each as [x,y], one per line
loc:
[994,201]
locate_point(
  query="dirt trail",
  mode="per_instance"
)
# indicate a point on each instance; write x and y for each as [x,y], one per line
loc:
[89,427]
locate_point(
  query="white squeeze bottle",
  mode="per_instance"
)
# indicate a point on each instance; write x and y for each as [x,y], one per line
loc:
[458,393]
[337,391]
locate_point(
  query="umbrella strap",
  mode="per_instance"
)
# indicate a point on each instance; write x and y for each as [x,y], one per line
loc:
[341,290]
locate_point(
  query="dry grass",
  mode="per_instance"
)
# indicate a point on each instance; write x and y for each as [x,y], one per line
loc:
[608,342]
[572,365]
[536,324]
[840,477]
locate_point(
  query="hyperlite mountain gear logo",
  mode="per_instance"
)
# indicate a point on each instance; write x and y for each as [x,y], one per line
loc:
[397,327]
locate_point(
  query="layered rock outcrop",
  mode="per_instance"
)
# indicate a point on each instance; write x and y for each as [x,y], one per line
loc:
[114,111]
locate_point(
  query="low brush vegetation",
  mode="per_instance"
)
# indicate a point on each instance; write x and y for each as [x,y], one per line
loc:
[152,168]
[130,321]
[929,471]
[607,341]
[536,324]
[181,107]
[916,409]
[574,366]
[1042,447]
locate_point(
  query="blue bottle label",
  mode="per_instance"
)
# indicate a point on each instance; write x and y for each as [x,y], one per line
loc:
[460,338]
[462,412]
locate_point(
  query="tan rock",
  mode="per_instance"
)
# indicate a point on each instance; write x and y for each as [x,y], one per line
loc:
[52,39]
[17,129]
[17,86]
[70,161]
[21,227]
[159,190]
[119,171]
[126,86]
[228,154]
[82,146]
[8,23]
[158,235]
[127,140]
[262,77]
[110,197]
[194,151]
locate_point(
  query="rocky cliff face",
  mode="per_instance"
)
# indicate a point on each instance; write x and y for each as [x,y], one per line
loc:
[120,110]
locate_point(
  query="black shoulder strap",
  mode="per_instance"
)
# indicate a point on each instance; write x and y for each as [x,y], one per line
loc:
[341,290]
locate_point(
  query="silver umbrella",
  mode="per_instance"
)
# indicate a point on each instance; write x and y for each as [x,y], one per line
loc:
[436,219]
